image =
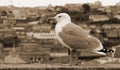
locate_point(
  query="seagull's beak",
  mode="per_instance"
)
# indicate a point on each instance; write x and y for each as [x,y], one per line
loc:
[51,20]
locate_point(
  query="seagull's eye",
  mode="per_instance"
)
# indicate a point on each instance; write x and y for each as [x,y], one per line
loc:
[59,16]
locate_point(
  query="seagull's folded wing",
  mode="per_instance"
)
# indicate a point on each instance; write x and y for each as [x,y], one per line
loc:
[77,38]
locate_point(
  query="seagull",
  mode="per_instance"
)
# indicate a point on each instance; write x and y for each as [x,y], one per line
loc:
[75,37]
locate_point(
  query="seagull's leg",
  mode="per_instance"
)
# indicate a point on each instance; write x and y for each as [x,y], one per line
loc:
[70,53]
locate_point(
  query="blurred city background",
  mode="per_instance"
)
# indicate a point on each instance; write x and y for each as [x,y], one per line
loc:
[28,30]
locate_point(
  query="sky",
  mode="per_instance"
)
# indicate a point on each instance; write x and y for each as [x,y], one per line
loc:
[34,3]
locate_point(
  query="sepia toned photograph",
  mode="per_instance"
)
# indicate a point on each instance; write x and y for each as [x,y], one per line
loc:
[59,35]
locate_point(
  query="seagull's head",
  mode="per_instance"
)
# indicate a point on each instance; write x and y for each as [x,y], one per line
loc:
[62,17]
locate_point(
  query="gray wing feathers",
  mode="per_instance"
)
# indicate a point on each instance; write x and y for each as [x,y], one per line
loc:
[77,38]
